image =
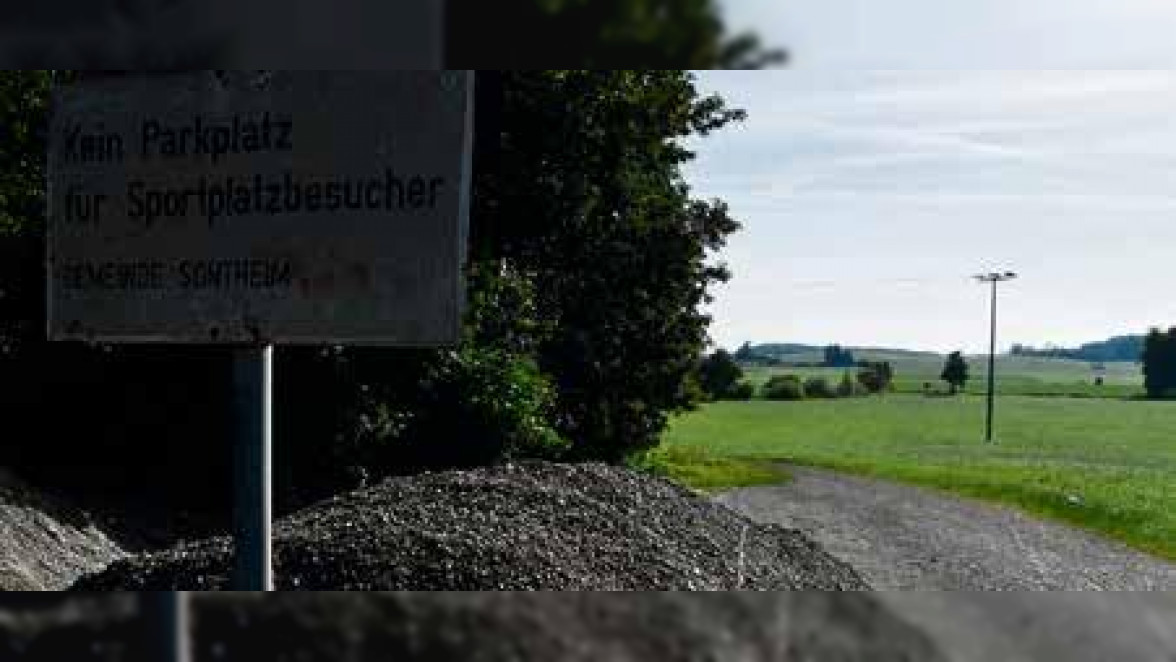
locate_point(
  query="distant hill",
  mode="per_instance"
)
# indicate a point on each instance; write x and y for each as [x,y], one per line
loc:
[802,352]
[893,351]
[784,349]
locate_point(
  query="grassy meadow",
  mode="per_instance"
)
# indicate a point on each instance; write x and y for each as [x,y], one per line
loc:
[1105,464]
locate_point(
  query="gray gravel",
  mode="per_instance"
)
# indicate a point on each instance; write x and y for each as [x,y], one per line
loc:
[903,537]
[45,544]
[493,627]
[532,526]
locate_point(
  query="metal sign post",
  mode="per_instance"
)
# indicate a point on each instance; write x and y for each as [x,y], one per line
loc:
[253,404]
[165,617]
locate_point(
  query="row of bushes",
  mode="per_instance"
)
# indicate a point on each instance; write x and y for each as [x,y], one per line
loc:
[875,379]
[793,387]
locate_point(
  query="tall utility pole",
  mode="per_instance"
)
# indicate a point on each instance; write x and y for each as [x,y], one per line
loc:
[993,278]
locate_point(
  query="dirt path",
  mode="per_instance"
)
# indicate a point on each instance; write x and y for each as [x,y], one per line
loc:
[903,537]
[938,559]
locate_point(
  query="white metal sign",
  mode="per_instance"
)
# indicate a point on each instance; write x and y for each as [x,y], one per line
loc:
[279,207]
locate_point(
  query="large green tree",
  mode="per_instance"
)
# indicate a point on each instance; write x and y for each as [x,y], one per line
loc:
[719,375]
[23,110]
[955,371]
[588,203]
[1159,363]
[876,376]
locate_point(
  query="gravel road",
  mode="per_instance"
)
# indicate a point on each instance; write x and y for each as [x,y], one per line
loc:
[938,561]
[902,537]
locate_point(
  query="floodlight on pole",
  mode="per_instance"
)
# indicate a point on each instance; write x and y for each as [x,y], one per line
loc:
[993,278]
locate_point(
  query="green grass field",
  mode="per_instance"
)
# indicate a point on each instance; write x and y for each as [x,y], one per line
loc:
[707,472]
[1108,465]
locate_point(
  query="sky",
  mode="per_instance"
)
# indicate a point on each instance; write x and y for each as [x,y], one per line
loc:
[870,196]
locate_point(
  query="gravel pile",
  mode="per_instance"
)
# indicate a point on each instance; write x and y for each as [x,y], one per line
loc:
[529,526]
[45,544]
[498,627]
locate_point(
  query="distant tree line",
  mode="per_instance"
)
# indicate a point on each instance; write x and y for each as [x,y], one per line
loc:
[774,354]
[1119,348]
[750,355]
[837,356]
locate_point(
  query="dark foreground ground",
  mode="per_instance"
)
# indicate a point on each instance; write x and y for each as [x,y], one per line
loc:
[488,627]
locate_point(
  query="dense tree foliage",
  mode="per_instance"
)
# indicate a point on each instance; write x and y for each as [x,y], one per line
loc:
[653,34]
[588,266]
[520,34]
[848,386]
[23,111]
[819,387]
[784,387]
[837,356]
[1159,363]
[876,376]
[955,372]
[719,375]
[744,390]
[588,204]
